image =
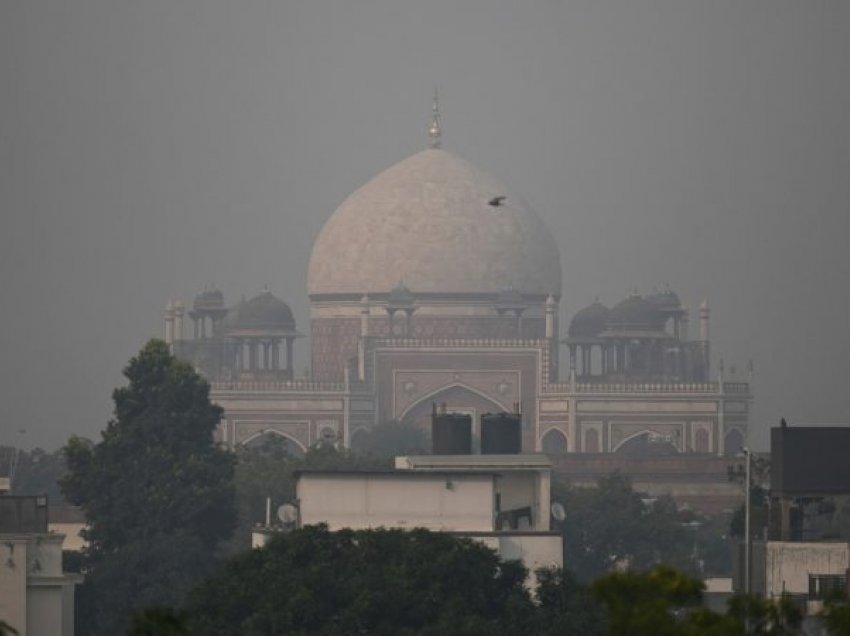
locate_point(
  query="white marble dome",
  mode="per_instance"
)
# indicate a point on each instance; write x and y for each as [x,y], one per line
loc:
[428,221]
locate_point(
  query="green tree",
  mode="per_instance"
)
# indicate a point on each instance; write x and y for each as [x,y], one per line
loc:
[766,617]
[836,617]
[760,512]
[565,607]
[158,621]
[759,497]
[380,582]
[157,492]
[647,604]
[704,622]
[611,525]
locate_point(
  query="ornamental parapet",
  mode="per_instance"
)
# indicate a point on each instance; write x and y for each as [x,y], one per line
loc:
[738,388]
[293,386]
[458,343]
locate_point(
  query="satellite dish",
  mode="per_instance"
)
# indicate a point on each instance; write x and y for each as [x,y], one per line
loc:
[287,513]
[558,511]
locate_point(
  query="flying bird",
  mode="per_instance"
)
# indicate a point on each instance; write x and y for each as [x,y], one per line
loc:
[496,201]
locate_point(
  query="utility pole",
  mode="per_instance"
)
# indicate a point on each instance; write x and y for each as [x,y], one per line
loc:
[747,534]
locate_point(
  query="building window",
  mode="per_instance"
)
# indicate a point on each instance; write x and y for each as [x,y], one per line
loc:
[823,586]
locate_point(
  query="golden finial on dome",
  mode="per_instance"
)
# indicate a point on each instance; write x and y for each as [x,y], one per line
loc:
[435,132]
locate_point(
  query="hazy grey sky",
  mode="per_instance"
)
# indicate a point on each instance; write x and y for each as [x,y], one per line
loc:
[150,147]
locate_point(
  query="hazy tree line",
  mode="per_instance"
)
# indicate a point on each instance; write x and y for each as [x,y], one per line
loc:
[169,517]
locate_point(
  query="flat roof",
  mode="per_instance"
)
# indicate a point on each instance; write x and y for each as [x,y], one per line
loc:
[502,533]
[348,472]
[472,463]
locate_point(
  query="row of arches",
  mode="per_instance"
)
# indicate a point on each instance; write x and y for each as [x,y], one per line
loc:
[642,444]
[554,442]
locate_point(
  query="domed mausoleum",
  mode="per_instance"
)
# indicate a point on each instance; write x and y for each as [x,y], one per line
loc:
[453,236]
[433,284]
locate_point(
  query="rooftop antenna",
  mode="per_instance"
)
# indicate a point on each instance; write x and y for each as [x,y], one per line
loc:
[435,132]
[558,511]
[288,515]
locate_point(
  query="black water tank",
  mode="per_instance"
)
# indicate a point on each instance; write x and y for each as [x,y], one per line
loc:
[501,434]
[451,434]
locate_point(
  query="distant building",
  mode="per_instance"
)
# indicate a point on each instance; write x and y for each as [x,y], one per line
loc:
[501,498]
[807,564]
[36,596]
[433,283]
[478,500]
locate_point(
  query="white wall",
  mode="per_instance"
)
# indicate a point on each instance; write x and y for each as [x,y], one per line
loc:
[790,563]
[13,581]
[535,551]
[457,502]
[36,598]
[72,533]
[45,605]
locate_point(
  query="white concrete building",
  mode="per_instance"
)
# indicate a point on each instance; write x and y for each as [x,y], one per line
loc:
[36,596]
[502,501]
[807,572]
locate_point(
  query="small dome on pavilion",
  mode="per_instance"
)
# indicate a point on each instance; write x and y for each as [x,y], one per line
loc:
[635,312]
[400,296]
[209,298]
[263,312]
[589,322]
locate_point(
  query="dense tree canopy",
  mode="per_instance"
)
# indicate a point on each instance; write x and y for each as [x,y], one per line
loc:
[611,525]
[836,616]
[663,602]
[156,491]
[415,583]
[646,604]
[380,582]
[565,607]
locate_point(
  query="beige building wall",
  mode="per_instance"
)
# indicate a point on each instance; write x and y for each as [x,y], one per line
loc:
[455,494]
[72,532]
[36,598]
[523,480]
[45,604]
[789,564]
[13,581]
[443,502]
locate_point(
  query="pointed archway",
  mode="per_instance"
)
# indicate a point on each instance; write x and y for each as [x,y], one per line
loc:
[457,398]
[646,444]
[554,442]
[271,440]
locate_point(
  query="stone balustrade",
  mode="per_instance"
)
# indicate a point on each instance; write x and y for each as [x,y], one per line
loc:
[740,388]
[292,386]
[457,343]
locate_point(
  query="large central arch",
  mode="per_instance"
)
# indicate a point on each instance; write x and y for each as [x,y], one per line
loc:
[645,444]
[289,443]
[457,398]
